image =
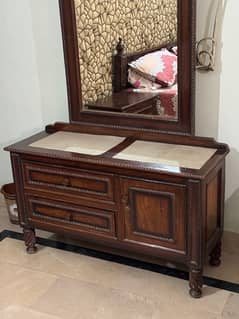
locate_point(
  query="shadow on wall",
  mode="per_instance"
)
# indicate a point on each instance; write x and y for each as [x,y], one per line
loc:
[232,220]
[209,83]
[232,202]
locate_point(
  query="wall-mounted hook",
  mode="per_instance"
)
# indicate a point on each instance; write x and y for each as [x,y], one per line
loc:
[205,54]
[206,47]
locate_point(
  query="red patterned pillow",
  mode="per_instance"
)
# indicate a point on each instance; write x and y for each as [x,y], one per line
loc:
[140,82]
[159,66]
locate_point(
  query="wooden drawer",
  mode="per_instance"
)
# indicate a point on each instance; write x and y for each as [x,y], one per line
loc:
[154,215]
[78,218]
[68,181]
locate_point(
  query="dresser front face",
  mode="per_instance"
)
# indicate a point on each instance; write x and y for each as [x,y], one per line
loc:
[69,199]
[168,216]
[134,213]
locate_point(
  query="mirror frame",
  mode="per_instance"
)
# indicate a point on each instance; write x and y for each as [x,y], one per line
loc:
[185,123]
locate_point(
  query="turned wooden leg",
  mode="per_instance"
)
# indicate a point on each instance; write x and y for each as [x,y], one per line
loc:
[195,283]
[215,256]
[30,240]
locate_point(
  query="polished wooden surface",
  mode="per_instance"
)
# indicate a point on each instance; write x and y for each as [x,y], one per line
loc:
[127,102]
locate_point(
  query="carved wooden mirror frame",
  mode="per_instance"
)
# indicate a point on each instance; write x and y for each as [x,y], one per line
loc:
[186,77]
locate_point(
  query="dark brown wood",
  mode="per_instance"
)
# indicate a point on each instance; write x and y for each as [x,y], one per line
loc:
[30,240]
[78,218]
[196,236]
[212,206]
[75,182]
[144,211]
[71,54]
[186,78]
[154,214]
[126,102]
[195,283]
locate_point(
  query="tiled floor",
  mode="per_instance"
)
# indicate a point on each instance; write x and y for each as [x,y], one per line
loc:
[56,284]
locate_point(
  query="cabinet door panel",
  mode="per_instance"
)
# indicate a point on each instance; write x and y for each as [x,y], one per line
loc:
[154,214]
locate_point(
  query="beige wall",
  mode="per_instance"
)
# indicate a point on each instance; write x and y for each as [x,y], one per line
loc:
[32,79]
[217,109]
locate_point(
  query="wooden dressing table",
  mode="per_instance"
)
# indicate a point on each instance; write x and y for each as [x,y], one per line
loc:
[168,207]
[140,187]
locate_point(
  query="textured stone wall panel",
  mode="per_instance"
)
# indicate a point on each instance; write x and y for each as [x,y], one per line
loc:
[142,24]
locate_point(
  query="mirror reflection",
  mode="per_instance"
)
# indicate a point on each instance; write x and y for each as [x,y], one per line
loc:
[128,56]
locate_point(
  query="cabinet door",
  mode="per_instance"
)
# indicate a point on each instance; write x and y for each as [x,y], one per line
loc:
[154,214]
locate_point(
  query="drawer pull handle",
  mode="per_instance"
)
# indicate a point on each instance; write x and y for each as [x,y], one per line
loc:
[125,201]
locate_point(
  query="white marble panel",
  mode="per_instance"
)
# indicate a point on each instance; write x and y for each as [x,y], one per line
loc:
[192,157]
[78,142]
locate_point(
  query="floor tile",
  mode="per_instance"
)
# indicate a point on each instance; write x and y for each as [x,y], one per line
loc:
[177,313]
[13,312]
[136,293]
[22,286]
[75,299]
[110,275]
[231,309]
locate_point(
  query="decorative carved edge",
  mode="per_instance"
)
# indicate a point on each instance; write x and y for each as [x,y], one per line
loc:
[222,149]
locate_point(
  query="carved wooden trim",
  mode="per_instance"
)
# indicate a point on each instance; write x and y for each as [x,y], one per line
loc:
[79,217]
[196,237]
[30,240]
[71,54]
[104,182]
[195,283]
[18,179]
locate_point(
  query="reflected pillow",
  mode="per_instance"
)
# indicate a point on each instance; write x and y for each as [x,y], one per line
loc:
[140,82]
[159,67]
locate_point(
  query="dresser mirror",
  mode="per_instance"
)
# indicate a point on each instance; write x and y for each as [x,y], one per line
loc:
[130,63]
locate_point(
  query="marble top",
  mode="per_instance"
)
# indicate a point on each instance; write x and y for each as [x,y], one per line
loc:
[170,156]
[89,144]
[192,157]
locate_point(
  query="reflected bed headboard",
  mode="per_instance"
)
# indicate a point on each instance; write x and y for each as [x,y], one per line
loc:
[121,60]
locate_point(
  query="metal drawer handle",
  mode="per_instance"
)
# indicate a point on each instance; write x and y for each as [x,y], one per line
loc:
[125,202]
